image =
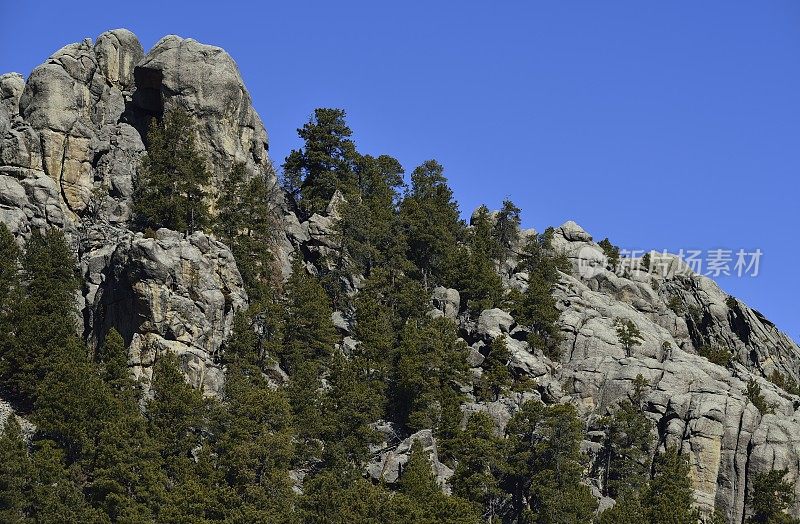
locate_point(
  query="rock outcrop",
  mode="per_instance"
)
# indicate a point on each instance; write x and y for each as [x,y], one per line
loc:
[205,81]
[388,465]
[696,405]
[168,293]
[71,138]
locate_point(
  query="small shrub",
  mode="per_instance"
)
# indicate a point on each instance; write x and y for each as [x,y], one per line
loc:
[676,305]
[731,302]
[753,394]
[611,252]
[646,262]
[716,355]
[628,334]
[787,384]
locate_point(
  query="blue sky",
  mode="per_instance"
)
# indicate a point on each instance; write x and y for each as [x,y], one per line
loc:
[663,125]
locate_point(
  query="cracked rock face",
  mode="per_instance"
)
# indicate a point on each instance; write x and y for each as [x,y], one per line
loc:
[70,107]
[205,80]
[71,141]
[169,293]
[388,466]
[694,404]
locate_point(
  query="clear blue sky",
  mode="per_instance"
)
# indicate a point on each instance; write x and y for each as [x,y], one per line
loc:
[661,124]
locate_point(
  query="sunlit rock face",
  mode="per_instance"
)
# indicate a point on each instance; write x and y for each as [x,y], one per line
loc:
[72,136]
[71,139]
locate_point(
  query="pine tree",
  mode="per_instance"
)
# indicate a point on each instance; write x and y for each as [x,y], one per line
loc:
[92,413]
[369,229]
[430,218]
[350,404]
[753,394]
[628,334]
[170,190]
[255,442]
[611,252]
[9,298]
[326,163]
[72,407]
[16,473]
[537,306]
[669,496]
[484,234]
[770,498]
[376,328]
[627,510]
[479,455]
[177,416]
[506,228]
[179,421]
[543,469]
[416,479]
[334,498]
[125,469]
[247,221]
[310,334]
[480,284]
[112,359]
[496,378]
[176,412]
[624,459]
[431,363]
[418,483]
[9,258]
[309,340]
[44,318]
[56,495]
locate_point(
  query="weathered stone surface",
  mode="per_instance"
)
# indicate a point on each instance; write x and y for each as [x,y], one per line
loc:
[205,81]
[573,232]
[68,100]
[696,405]
[388,465]
[168,293]
[7,411]
[502,409]
[340,322]
[493,322]
[11,87]
[448,301]
[29,199]
[70,146]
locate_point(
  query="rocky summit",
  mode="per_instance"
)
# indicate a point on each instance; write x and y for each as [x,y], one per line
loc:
[73,139]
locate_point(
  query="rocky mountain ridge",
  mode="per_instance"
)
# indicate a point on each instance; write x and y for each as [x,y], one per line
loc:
[71,137]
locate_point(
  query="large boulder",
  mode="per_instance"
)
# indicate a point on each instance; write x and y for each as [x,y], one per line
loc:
[388,465]
[67,101]
[169,293]
[204,80]
[447,301]
[494,322]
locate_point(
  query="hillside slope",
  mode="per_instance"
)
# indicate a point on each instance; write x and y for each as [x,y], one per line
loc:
[71,138]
